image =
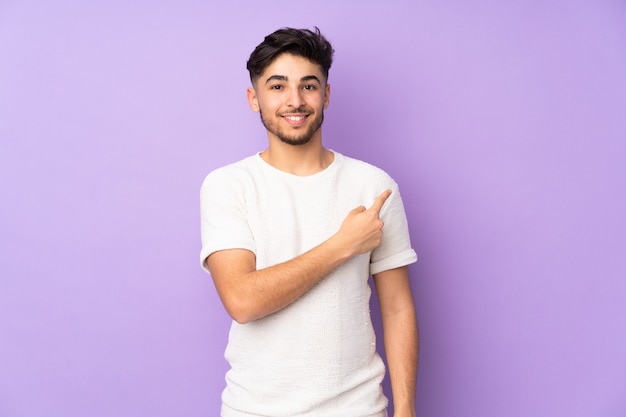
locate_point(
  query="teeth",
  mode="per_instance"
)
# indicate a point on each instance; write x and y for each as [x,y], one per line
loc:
[294,118]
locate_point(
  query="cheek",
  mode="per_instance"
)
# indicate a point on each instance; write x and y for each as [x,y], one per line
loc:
[316,101]
[269,103]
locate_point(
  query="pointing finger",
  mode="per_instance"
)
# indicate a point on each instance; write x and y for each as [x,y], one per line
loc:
[380,200]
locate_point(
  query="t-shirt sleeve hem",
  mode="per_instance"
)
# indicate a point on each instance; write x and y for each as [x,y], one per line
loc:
[206,251]
[404,258]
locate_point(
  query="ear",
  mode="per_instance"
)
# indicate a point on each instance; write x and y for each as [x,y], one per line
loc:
[252,99]
[327,96]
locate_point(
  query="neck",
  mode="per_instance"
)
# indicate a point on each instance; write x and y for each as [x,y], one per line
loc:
[301,160]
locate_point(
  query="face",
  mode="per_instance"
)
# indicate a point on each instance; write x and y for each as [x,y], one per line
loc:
[291,96]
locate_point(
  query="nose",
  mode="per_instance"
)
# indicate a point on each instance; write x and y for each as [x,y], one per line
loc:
[295,98]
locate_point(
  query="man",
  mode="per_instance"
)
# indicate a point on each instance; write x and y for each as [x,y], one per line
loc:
[290,245]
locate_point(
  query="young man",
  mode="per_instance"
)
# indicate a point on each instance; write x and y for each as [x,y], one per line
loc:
[290,245]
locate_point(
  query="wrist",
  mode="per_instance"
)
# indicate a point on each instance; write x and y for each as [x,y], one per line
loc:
[398,413]
[404,411]
[339,249]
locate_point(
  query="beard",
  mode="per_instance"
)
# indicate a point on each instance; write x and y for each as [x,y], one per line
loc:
[297,138]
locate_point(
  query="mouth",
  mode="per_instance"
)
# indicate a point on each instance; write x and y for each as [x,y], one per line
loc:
[295,119]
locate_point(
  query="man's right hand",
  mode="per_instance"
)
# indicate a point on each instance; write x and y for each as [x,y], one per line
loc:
[362,229]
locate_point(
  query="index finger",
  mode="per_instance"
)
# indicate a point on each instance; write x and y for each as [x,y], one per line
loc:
[380,200]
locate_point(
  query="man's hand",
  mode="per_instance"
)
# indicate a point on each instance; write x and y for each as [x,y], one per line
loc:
[362,229]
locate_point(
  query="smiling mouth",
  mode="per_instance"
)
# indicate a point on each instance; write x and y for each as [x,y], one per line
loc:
[295,119]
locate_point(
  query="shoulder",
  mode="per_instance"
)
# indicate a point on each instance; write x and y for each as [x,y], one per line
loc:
[365,171]
[230,175]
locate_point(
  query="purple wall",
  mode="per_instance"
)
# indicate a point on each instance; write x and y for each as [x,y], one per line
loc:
[503,122]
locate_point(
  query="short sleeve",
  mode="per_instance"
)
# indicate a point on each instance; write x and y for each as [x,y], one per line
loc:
[223,215]
[395,248]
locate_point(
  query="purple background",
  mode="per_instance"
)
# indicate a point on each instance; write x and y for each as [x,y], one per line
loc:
[503,122]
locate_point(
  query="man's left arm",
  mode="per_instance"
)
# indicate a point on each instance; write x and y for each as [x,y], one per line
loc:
[400,334]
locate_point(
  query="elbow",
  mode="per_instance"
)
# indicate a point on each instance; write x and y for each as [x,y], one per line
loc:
[238,306]
[240,317]
[240,311]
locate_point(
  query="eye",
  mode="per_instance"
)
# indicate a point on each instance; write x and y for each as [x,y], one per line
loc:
[310,87]
[276,87]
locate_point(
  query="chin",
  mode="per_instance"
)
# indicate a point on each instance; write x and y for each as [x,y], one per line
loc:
[295,142]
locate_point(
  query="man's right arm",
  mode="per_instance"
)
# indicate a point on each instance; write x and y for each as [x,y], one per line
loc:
[249,294]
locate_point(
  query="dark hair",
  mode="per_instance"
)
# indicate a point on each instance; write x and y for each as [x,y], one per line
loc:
[301,42]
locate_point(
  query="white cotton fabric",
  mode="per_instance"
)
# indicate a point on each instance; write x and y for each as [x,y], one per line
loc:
[316,357]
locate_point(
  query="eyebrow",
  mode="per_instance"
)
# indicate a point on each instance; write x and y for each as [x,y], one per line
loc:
[284,78]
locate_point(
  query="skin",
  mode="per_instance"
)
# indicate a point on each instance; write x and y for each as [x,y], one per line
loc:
[400,335]
[291,96]
[293,87]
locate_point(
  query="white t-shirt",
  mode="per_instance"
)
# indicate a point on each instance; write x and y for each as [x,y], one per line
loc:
[316,357]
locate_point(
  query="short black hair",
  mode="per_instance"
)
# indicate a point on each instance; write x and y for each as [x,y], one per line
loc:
[300,42]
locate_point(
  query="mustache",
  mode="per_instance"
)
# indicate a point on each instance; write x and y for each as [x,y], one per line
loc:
[301,109]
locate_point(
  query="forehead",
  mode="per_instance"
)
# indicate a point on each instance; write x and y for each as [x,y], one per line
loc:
[291,66]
